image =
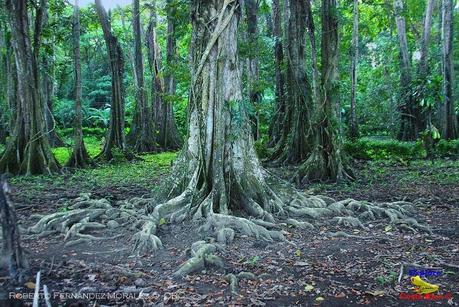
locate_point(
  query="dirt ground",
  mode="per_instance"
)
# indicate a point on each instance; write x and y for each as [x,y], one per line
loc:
[310,269]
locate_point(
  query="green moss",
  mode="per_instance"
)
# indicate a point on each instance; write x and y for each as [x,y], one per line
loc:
[93,146]
[144,172]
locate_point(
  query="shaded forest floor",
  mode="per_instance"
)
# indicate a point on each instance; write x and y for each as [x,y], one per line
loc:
[317,270]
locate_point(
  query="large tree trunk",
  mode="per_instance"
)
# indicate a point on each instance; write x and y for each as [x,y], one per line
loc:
[79,157]
[115,137]
[218,173]
[353,126]
[293,145]
[253,73]
[12,252]
[450,126]
[409,111]
[163,90]
[141,136]
[277,121]
[325,162]
[28,151]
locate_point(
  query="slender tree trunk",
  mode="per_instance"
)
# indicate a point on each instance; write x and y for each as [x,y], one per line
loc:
[450,127]
[79,157]
[11,82]
[115,137]
[276,126]
[48,92]
[353,126]
[163,90]
[253,73]
[326,161]
[141,136]
[28,151]
[293,145]
[409,112]
[422,66]
[315,62]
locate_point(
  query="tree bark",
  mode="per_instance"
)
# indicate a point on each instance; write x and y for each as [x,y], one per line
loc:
[409,111]
[79,157]
[141,136]
[276,126]
[422,66]
[28,151]
[218,172]
[450,128]
[115,136]
[163,90]
[326,161]
[48,92]
[11,238]
[293,146]
[353,125]
[253,74]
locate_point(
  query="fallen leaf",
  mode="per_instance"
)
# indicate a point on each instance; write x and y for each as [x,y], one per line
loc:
[376,292]
[308,288]
[388,228]
[298,253]
[30,285]
[319,299]
[300,263]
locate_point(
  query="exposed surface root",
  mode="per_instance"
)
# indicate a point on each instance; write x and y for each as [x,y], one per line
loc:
[84,214]
[202,256]
[282,205]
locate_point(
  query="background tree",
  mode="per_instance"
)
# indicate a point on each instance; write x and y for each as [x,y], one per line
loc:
[163,87]
[409,111]
[28,151]
[450,126]
[115,136]
[277,118]
[353,126]
[253,74]
[141,136]
[79,156]
[326,159]
[293,145]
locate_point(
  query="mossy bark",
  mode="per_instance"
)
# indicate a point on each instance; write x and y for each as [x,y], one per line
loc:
[163,89]
[293,145]
[141,137]
[28,150]
[326,160]
[79,156]
[115,136]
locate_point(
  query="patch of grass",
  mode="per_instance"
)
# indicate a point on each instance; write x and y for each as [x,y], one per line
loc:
[141,172]
[93,146]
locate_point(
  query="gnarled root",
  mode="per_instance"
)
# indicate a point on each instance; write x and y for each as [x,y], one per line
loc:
[244,226]
[202,256]
[146,240]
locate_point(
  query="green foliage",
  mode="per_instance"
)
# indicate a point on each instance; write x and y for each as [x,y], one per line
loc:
[388,149]
[383,149]
[448,148]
